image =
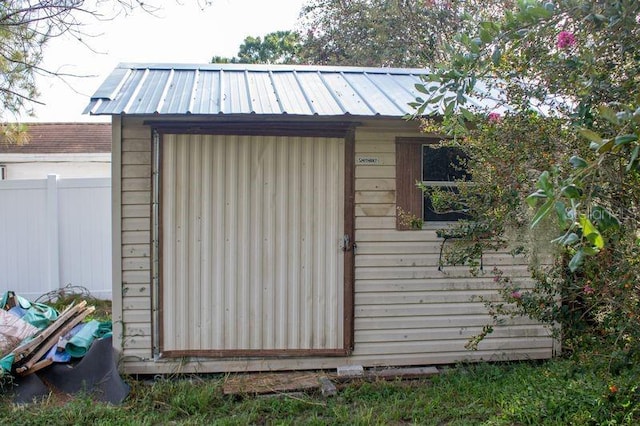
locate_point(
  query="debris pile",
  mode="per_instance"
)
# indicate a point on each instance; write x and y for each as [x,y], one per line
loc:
[36,338]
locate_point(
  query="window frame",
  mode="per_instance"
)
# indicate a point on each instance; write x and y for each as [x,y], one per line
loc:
[409,197]
[438,184]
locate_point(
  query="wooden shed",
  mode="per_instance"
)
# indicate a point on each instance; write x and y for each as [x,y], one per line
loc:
[255,225]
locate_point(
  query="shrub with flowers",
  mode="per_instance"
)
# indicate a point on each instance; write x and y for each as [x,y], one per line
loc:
[565,40]
[567,72]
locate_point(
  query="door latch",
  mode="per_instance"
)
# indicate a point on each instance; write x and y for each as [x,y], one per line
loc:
[347,244]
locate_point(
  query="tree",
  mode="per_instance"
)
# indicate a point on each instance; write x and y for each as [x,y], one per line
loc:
[25,28]
[573,63]
[400,33]
[280,47]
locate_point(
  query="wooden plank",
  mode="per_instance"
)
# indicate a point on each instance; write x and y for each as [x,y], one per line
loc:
[435,284]
[131,158]
[266,383]
[136,224]
[453,345]
[448,333]
[372,184]
[25,349]
[136,184]
[375,171]
[136,131]
[136,197]
[136,210]
[136,264]
[424,272]
[136,171]
[375,147]
[136,290]
[136,237]
[141,361]
[137,316]
[386,210]
[137,329]
[135,303]
[421,309]
[489,259]
[433,322]
[426,297]
[375,197]
[402,373]
[52,340]
[407,247]
[38,366]
[136,277]
[366,222]
[136,250]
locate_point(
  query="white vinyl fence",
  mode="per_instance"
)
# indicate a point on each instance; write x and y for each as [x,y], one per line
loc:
[53,233]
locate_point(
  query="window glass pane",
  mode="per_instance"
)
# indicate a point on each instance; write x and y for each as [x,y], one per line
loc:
[443,163]
[429,215]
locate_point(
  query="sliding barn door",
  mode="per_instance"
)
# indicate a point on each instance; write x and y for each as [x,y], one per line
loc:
[251,256]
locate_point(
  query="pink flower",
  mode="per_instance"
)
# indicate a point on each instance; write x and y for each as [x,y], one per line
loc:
[494,117]
[565,40]
[516,294]
[587,289]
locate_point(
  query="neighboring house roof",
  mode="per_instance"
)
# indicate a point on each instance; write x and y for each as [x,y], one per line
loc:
[150,89]
[63,138]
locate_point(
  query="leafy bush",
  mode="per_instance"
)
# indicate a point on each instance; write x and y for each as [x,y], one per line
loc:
[563,137]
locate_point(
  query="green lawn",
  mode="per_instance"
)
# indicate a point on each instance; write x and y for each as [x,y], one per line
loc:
[557,392]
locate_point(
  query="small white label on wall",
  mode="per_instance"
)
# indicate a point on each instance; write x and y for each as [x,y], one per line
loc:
[367,161]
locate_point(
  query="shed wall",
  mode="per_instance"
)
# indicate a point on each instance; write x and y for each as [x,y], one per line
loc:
[407,312]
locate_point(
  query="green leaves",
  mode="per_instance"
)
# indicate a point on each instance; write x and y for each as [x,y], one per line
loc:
[625,139]
[590,135]
[577,260]
[578,162]
[591,233]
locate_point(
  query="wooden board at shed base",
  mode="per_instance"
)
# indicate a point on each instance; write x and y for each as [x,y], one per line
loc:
[290,381]
[252,384]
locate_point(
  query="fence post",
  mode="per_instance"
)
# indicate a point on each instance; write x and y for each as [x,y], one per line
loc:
[53,248]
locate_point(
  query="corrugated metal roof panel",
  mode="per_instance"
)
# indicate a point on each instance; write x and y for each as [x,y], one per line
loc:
[177,94]
[256,89]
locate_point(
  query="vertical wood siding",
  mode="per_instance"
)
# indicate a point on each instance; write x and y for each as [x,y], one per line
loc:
[251,229]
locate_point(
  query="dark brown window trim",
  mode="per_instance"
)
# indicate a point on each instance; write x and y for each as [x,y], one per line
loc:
[409,198]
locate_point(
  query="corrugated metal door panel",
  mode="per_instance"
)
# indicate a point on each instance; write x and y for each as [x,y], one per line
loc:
[251,230]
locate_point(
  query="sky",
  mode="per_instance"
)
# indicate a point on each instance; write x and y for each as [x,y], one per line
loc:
[182,32]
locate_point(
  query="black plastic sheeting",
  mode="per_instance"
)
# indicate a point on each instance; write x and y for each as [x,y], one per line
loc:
[95,374]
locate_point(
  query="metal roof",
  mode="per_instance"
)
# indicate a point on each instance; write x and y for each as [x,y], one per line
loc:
[150,89]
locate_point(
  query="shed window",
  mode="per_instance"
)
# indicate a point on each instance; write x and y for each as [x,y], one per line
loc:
[425,160]
[442,167]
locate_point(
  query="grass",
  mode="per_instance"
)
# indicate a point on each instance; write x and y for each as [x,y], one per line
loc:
[62,298]
[557,392]
[588,390]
